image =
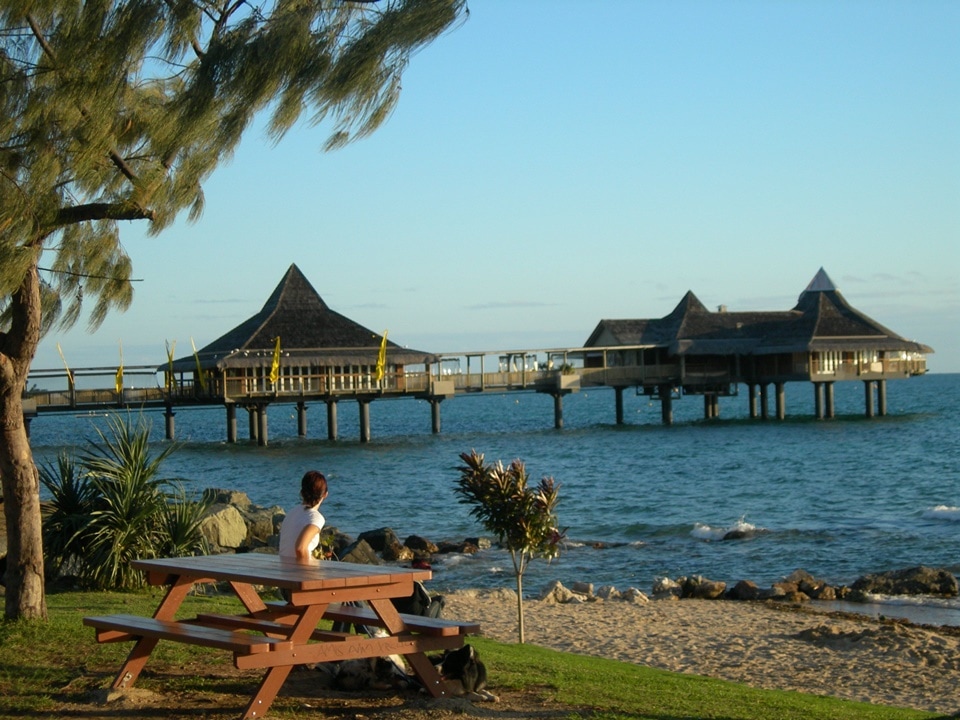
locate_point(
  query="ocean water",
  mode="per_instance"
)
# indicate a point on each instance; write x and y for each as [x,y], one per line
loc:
[839,498]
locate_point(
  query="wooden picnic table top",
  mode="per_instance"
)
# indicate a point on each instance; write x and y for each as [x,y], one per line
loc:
[269,569]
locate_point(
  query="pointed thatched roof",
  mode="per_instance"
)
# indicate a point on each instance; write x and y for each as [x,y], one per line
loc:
[310,334]
[821,320]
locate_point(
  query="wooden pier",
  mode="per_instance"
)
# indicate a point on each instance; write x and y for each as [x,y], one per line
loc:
[556,372]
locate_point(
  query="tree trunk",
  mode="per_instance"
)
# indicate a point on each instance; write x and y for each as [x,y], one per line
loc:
[520,606]
[18,473]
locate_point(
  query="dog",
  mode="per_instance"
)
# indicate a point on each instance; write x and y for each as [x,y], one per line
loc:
[465,672]
[378,673]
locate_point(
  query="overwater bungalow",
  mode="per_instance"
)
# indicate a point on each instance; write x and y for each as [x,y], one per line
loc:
[296,348]
[822,340]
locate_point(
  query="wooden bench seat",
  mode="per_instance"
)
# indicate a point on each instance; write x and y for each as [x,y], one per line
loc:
[269,627]
[117,628]
[418,623]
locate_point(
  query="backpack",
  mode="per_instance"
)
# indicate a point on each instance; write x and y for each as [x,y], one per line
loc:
[420,602]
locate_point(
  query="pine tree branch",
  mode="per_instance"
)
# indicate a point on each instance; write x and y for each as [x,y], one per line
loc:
[115,157]
[101,211]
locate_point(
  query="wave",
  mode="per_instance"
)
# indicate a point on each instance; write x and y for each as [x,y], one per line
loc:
[739,530]
[942,512]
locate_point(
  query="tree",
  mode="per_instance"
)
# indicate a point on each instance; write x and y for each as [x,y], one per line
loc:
[524,519]
[119,110]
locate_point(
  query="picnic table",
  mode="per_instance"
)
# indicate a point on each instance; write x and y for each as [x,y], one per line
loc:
[276,637]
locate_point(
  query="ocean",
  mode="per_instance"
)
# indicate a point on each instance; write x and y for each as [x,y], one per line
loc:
[839,498]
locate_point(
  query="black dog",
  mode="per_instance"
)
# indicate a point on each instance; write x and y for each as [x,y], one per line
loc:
[465,667]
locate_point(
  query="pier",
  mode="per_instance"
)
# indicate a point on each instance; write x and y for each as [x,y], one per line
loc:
[556,372]
[298,350]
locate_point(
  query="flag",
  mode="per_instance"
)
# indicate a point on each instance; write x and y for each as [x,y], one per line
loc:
[199,380]
[382,358]
[275,365]
[66,367]
[118,382]
[171,347]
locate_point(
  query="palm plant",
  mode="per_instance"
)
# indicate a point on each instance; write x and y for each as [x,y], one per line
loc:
[72,502]
[523,518]
[111,507]
[130,500]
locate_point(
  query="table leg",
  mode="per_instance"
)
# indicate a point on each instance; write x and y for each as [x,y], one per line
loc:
[274,678]
[425,670]
[248,596]
[269,687]
[142,648]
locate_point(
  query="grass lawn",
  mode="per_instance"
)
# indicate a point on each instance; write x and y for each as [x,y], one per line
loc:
[45,667]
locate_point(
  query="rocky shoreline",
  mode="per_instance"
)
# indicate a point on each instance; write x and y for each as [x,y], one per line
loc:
[235,524]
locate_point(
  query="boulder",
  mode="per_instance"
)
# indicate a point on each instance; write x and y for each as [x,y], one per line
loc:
[360,552]
[700,588]
[465,547]
[635,596]
[224,528]
[665,588]
[218,496]
[744,590]
[380,538]
[919,580]
[583,588]
[395,552]
[420,546]
[608,592]
[555,592]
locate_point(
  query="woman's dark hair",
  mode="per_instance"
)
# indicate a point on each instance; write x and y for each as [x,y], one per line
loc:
[313,488]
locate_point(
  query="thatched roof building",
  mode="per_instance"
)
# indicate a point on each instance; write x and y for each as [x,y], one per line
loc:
[822,330]
[321,351]
[309,331]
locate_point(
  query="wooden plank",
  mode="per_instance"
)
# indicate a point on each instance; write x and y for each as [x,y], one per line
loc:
[245,622]
[426,625]
[137,626]
[265,569]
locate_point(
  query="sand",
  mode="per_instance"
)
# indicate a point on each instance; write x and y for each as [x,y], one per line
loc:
[765,645]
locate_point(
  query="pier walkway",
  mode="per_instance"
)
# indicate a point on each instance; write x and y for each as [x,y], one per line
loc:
[556,372]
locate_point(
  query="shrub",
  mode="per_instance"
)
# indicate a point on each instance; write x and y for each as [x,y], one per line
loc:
[110,508]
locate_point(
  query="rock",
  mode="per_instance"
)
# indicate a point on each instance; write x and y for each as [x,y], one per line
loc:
[700,588]
[380,538]
[635,596]
[919,580]
[224,528]
[395,552]
[665,588]
[744,590]
[582,588]
[794,597]
[360,552]
[782,589]
[420,546]
[824,592]
[227,497]
[262,524]
[464,547]
[609,592]
[555,592]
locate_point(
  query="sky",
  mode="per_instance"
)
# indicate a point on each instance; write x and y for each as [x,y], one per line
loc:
[552,163]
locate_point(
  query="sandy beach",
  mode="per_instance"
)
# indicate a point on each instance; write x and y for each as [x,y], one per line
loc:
[767,645]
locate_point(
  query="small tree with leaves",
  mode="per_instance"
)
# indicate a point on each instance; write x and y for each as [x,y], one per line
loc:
[523,518]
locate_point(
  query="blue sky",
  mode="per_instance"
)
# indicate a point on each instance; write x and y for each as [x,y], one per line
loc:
[552,163]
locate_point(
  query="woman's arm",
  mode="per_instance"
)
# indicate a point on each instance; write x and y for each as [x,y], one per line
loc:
[304,539]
